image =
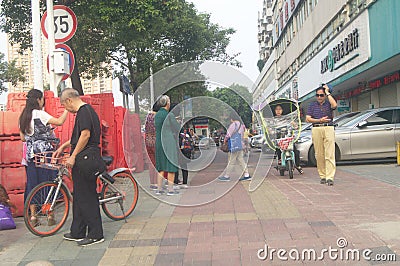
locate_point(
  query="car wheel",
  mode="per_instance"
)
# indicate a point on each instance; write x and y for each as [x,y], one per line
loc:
[311,156]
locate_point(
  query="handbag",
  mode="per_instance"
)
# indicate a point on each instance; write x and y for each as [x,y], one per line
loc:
[224,147]
[6,219]
[235,141]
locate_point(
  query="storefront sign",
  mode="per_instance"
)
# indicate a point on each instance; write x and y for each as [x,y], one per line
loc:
[288,8]
[372,85]
[340,51]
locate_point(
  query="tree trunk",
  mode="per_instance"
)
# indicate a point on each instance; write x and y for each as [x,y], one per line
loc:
[75,79]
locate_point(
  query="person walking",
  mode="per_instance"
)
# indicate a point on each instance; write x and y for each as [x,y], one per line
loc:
[167,129]
[150,143]
[86,162]
[35,130]
[320,114]
[235,136]
[186,148]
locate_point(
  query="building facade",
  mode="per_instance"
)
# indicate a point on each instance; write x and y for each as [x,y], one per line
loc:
[353,45]
[25,61]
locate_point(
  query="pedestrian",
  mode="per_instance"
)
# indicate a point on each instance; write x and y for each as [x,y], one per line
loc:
[86,163]
[186,148]
[234,135]
[35,130]
[150,143]
[278,111]
[246,142]
[167,130]
[6,219]
[320,114]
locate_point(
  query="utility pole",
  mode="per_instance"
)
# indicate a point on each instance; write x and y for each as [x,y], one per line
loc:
[52,44]
[37,46]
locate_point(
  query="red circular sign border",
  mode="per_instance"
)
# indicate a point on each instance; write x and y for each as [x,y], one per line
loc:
[74,26]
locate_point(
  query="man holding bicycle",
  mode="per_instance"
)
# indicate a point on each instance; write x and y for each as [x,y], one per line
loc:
[86,162]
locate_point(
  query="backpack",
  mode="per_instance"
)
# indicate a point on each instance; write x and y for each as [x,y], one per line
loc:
[235,141]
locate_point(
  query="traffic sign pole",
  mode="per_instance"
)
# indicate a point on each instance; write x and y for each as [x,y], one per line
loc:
[52,44]
[37,46]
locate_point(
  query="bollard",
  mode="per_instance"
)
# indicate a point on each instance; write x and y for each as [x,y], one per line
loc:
[398,153]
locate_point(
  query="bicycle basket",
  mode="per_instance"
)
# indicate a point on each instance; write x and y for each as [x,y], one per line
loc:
[284,143]
[45,160]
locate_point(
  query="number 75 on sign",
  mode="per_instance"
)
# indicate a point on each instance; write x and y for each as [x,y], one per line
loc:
[65,23]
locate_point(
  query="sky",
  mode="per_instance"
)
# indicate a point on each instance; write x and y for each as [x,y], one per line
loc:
[239,15]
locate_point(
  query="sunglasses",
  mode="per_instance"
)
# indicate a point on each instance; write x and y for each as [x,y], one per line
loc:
[320,95]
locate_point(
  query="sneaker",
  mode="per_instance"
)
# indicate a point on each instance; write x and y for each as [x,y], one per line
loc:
[153,187]
[69,237]
[172,193]
[184,186]
[176,187]
[245,178]
[88,241]
[159,192]
[330,182]
[224,178]
[323,181]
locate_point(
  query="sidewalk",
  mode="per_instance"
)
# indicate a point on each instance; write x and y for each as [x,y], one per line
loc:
[282,214]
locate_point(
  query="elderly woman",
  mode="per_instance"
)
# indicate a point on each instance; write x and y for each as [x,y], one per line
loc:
[167,130]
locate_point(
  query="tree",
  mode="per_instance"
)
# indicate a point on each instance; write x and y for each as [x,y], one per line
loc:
[137,34]
[9,73]
[230,97]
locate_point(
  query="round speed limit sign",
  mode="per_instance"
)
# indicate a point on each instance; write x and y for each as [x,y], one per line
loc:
[65,23]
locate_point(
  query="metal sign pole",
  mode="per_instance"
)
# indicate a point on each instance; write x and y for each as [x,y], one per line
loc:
[37,46]
[52,44]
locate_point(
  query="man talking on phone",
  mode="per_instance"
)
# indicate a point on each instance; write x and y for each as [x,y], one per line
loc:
[320,114]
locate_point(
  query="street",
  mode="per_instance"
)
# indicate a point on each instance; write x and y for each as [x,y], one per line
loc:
[241,228]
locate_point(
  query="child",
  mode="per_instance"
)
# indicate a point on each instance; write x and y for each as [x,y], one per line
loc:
[6,219]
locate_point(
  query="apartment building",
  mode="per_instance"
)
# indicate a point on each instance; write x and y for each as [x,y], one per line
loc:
[352,44]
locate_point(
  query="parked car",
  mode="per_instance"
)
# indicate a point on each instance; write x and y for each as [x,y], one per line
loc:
[203,142]
[369,134]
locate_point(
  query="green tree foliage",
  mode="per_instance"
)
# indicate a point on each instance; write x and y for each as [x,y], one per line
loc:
[136,34]
[234,100]
[9,73]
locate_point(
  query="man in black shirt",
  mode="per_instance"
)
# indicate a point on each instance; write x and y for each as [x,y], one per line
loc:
[86,163]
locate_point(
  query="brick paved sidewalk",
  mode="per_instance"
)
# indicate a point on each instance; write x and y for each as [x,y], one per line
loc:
[282,213]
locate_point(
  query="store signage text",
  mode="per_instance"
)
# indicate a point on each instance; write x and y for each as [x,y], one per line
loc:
[341,50]
[372,85]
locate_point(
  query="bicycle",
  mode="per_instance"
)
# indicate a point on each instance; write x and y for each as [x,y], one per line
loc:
[118,194]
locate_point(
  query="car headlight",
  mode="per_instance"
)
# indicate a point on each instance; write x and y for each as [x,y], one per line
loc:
[303,139]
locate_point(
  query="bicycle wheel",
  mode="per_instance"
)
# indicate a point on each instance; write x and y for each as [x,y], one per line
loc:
[130,191]
[290,168]
[48,220]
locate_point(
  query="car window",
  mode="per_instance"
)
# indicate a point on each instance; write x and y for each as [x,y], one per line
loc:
[381,118]
[397,116]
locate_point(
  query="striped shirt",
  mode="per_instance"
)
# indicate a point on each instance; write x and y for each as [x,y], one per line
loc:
[317,111]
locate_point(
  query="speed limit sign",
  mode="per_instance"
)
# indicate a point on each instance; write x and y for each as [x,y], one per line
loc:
[65,23]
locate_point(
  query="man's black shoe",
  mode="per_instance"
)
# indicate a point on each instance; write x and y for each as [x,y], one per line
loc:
[330,182]
[69,237]
[323,181]
[88,241]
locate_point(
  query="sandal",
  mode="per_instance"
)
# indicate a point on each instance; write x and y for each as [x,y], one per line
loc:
[300,170]
[34,221]
[50,220]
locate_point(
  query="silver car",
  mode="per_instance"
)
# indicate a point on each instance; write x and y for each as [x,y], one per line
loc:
[370,134]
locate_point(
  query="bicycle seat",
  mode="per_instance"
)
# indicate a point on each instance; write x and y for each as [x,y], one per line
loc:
[107,159]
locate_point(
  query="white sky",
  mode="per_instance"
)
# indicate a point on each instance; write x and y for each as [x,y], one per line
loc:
[241,16]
